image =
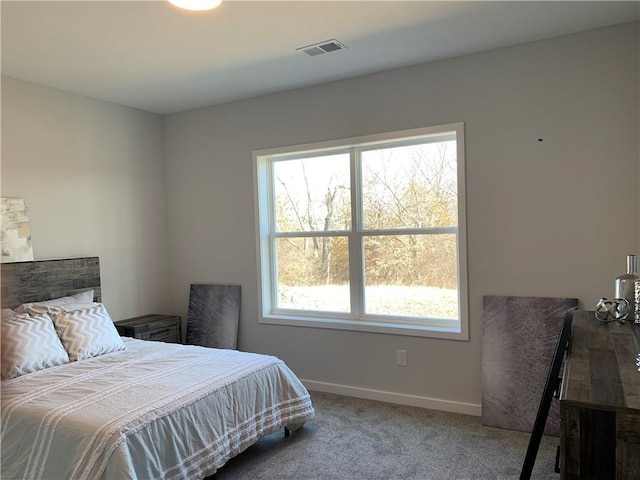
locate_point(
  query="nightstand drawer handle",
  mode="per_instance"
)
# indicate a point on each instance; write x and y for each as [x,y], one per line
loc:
[161,333]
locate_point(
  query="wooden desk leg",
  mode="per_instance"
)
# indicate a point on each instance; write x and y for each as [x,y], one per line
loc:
[569,442]
[587,444]
[627,447]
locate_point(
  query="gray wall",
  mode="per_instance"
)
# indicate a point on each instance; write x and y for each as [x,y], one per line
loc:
[92,175]
[536,210]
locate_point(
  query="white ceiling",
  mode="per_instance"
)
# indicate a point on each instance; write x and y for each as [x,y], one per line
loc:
[152,56]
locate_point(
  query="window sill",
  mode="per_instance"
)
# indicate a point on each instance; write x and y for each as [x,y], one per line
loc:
[389,328]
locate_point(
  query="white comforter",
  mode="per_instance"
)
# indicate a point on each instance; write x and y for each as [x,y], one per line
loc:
[154,410]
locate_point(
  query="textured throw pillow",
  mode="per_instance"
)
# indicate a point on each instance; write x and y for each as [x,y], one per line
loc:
[82,297]
[7,312]
[87,333]
[29,344]
[36,309]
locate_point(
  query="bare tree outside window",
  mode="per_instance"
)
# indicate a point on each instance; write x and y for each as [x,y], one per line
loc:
[403,188]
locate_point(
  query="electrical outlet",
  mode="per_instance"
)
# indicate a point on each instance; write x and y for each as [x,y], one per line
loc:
[401,358]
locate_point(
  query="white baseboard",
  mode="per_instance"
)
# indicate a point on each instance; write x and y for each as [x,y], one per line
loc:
[398,398]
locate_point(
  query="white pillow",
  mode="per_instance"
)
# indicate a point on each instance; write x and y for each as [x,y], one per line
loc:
[87,333]
[82,297]
[36,309]
[29,344]
[7,312]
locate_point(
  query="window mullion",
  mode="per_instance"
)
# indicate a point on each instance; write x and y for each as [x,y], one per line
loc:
[412,231]
[356,251]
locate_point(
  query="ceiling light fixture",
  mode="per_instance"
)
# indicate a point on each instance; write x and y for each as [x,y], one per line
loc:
[196,4]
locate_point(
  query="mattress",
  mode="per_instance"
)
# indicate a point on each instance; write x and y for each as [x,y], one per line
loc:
[154,410]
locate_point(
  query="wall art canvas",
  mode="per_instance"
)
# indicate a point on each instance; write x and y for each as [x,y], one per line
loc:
[15,234]
[214,315]
[518,343]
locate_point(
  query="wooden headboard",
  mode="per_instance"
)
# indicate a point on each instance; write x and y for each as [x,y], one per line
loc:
[23,282]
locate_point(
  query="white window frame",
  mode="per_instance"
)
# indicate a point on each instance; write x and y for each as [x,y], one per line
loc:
[436,328]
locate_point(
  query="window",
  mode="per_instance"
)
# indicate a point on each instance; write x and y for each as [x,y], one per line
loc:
[365,234]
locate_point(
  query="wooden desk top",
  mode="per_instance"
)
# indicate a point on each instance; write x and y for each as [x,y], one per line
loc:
[600,370]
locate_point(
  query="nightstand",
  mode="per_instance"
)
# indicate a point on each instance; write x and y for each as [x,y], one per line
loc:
[156,327]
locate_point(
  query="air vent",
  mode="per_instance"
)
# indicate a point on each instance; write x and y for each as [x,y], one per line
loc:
[327,46]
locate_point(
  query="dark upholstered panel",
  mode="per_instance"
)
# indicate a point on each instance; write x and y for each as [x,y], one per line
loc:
[214,314]
[518,343]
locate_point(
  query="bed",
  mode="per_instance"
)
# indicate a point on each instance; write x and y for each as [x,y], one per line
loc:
[135,409]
